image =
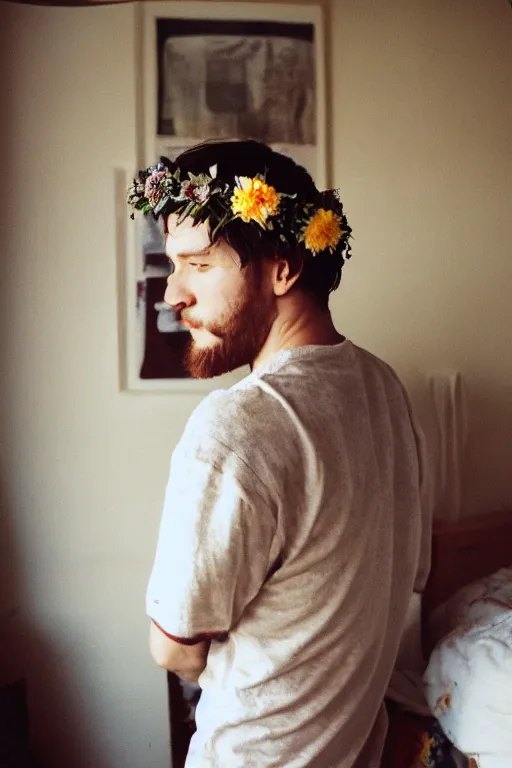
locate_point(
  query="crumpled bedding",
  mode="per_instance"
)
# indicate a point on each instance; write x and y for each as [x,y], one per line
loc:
[468,680]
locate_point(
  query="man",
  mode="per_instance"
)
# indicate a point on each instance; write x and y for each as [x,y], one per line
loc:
[291,538]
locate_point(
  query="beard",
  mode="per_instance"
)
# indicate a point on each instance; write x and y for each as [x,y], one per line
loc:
[240,335]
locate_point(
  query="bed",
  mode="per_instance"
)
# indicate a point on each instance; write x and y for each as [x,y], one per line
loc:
[467,634]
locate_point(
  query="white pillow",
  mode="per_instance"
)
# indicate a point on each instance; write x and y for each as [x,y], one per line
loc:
[468,680]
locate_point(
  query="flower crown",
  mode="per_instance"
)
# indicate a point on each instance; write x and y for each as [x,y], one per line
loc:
[162,189]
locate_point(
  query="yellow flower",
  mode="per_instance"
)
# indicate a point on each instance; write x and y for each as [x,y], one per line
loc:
[425,759]
[253,200]
[322,231]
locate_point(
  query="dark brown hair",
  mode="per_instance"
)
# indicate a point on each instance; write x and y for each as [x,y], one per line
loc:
[320,274]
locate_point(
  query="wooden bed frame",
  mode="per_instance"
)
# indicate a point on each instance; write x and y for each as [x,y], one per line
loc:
[462,552]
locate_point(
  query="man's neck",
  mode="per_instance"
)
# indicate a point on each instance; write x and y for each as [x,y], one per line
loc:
[298,323]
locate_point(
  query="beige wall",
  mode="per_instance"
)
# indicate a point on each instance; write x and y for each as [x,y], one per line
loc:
[422,125]
[422,128]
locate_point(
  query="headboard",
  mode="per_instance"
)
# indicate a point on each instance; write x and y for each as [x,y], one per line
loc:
[470,549]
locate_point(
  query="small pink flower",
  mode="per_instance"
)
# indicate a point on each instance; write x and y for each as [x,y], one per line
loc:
[152,189]
[194,192]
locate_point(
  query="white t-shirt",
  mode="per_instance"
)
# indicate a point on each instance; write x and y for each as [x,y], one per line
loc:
[293,523]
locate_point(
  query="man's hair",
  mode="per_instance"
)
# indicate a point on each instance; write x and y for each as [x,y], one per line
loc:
[320,274]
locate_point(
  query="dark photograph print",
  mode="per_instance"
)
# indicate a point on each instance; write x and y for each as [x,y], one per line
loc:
[220,79]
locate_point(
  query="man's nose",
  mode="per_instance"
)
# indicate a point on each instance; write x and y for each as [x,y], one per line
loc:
[176,294]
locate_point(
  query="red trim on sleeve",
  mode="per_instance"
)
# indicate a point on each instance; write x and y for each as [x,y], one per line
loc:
[220,636]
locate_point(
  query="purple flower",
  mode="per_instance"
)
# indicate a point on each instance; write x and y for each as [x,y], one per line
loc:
[153,189]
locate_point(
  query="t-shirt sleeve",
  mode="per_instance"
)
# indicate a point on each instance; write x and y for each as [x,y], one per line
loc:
[214,546]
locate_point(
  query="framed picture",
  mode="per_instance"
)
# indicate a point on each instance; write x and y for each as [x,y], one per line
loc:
[215,70]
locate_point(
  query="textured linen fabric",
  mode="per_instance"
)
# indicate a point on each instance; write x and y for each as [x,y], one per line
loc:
[293,522]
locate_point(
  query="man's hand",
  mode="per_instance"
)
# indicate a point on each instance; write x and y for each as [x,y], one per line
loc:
[187,661]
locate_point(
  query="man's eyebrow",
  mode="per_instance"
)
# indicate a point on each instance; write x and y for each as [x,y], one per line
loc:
[195,254]
[191,254]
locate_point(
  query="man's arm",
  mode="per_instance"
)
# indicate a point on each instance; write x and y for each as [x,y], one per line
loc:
[187,661]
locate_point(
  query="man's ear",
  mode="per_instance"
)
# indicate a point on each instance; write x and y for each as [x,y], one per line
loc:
[283,278]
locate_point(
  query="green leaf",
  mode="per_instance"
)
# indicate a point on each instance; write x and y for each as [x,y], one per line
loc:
[219,225]
[160,205]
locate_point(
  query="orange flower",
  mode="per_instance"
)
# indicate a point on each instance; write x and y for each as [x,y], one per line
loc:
[254,200]
[322,231]
[425,757]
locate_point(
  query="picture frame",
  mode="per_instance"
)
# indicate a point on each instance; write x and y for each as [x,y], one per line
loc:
[282,31]
[214,70]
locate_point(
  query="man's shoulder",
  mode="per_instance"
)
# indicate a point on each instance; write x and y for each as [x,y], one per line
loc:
[378,374]
[373,361]
[238,430]
[231,415]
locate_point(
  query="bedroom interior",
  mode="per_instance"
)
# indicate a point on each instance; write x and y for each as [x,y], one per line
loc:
[420,121]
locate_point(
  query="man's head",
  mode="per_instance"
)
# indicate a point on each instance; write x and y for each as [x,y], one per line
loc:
[229,285]
[228,308]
